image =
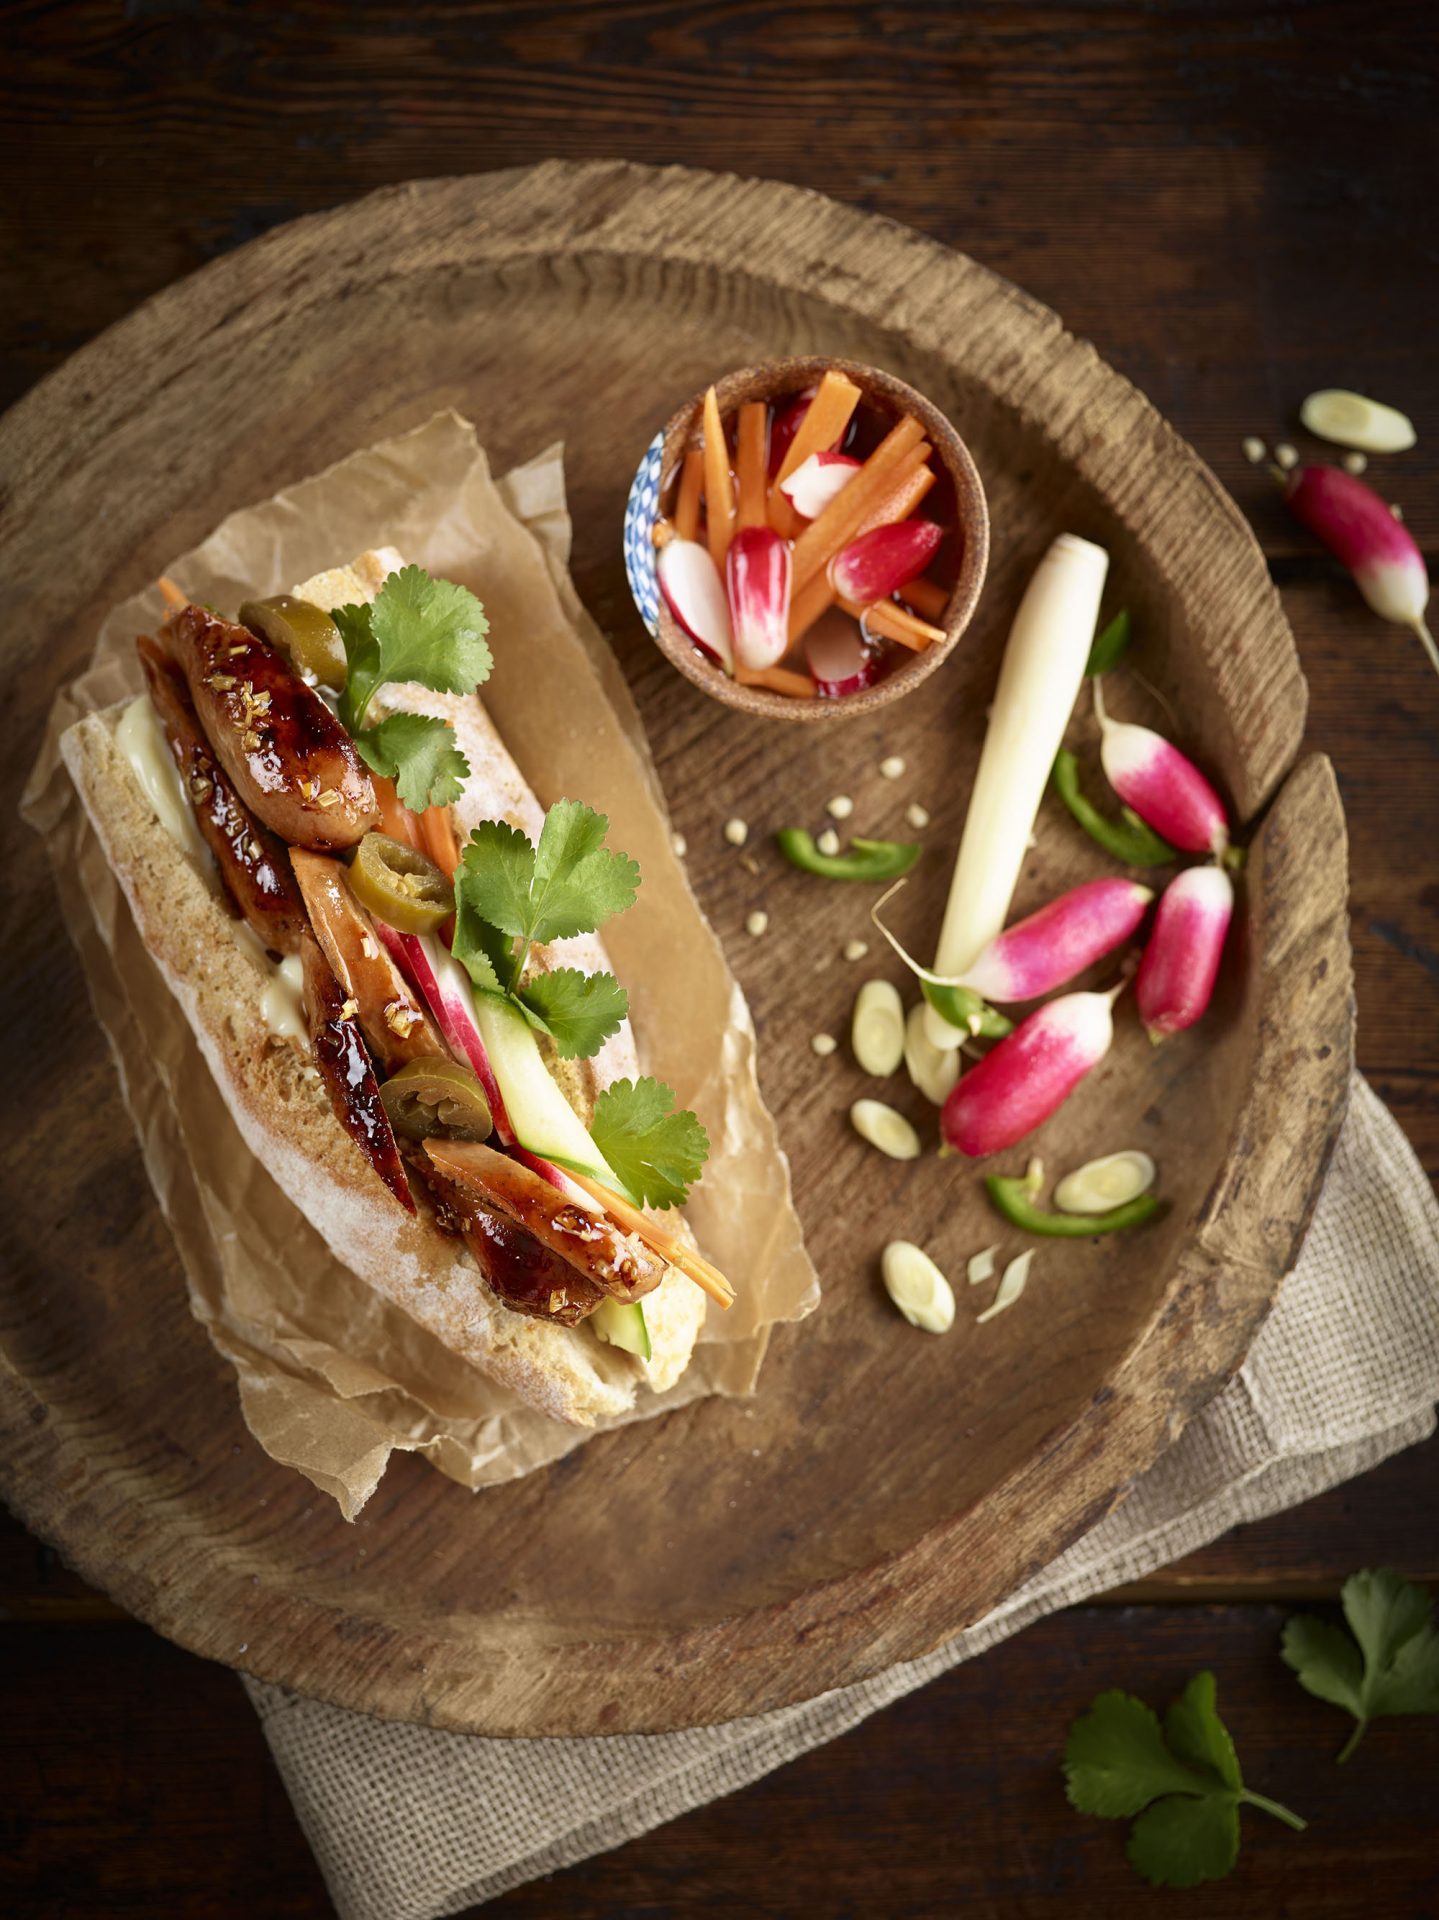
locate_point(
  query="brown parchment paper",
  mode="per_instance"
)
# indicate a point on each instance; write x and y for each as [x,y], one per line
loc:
[332,1378]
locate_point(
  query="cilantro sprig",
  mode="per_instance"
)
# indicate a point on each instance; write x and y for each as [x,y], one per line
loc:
[1387,1664]
[656,1151]
[431,632]
[1181,1784]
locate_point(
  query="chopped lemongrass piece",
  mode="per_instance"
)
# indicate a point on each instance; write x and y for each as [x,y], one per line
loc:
[756,922]
[882,1127]
[1101,1185]
[1354,462]
[1254,449]
[828,843]
[892,767]
[917,816]
[877,1029]
[1011,1285]
[823,1044]
[1349,420]
[736,832]
[840,808]
[981,1266]
[1286,456]
[917,1287]
[855,949]
[932,1069]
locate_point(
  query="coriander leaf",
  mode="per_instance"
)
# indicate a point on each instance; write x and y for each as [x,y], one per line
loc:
[1116,1762]
[362,657]
[656,1151]
[578,882]
[1393,1669]
[1179,1842]
[431,631]
[1195,1732]
[418,752]
[482,950]
[578,1010]
[497,870]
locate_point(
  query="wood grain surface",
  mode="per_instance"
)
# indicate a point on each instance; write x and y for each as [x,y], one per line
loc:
[1232,204]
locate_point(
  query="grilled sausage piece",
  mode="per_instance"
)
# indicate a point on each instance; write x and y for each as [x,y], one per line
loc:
[527,1277]
[292,763]
[591,1242]
[396,1025]
[253,863]
[348,1072]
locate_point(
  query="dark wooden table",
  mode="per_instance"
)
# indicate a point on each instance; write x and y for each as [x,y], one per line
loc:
[1236,204]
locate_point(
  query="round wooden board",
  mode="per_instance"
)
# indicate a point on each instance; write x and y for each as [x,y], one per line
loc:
[884,1488]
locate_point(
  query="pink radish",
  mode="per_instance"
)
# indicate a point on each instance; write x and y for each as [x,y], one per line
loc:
[883,560]
[758,571]
[691,584]
[1164,788]
[787,423]
[1363,535]
[1050,947]
[1176,976]
[444,986]
[1028,1075]
[836,655]
[816,481]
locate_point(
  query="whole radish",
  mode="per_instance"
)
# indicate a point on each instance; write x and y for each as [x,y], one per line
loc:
[1165,789]
[1363,535]
[1029,1075]
[1177,974]
[1048,948]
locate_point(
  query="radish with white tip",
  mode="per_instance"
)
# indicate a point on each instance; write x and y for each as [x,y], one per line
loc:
[759,572]
[817,481]
[695,594]
[1049,948]
[1163,786]
[1029,1075]
[883,560]
[1181,962]
[1363,535]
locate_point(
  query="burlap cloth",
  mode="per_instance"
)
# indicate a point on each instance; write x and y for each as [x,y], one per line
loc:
[407,1823]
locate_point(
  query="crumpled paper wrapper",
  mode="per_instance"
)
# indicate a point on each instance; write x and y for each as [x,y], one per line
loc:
[333,1378]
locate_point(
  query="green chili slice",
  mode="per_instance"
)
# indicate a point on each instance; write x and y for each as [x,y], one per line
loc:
[863,860]
[1110,644]
[1015,1199]
[963,1008]
[1127,839]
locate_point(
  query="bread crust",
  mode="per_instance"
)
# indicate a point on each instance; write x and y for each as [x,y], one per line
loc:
[218,976]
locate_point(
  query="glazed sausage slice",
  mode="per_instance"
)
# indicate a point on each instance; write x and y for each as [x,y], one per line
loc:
[347,1071]
[527,1277]
[253,863]
[591,1242]
[396,1025]
[292,763]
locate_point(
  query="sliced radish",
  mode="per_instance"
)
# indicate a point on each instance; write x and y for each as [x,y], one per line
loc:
[694,592]
[444,986]
[837,656]
[758,570]
[881,561]
[816,481]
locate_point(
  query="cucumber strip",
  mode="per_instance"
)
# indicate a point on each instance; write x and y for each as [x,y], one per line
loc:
[543,1120]
[623,1326]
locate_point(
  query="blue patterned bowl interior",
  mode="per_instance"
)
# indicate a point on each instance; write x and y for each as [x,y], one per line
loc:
[640,511]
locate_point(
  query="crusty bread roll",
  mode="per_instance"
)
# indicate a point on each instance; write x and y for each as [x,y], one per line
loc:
[220,977]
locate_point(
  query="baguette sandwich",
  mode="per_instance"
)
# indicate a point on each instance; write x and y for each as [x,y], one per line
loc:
[389,956]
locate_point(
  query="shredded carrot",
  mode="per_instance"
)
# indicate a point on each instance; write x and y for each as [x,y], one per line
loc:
[751,459]
[925,597]
[687,505]
[439,840]
[719,487]
[897,623]
[662,532]
[656,1237]
[825,420]
[174,597]
[799,686]
[395,820]
[837,525]
[819,596]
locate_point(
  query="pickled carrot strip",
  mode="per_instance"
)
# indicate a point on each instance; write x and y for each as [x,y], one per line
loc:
[396,820]
[836,526]
[799,686]
[751,459]
[896,623]
[824,423]
[719,487]
[687,506]
[925,597]
[174,597]
[819,596]
[659,1238]
[439,839]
